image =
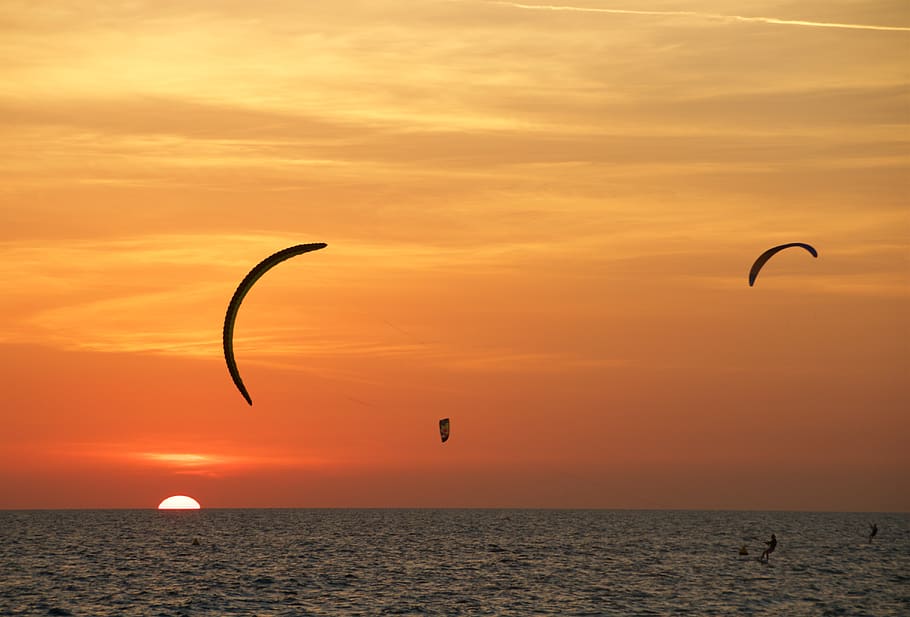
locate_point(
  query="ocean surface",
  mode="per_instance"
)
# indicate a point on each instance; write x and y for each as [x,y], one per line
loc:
[450,562]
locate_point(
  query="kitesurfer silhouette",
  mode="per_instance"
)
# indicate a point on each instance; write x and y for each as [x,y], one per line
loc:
[772,544]
[873,529]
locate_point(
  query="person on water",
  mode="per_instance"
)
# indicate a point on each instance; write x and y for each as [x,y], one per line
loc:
[873,529]
[772,544]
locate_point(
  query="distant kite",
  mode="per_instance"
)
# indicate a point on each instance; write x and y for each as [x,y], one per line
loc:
[764,257]
[245,285]
[444,430]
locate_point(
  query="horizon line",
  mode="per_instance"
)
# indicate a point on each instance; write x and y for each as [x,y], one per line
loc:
[485,508]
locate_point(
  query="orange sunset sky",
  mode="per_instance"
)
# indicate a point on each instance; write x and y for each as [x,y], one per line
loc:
[540,221]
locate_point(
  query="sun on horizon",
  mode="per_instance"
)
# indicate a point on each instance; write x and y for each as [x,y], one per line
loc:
[179,502]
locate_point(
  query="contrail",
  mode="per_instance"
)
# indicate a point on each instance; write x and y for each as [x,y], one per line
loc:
[718,16]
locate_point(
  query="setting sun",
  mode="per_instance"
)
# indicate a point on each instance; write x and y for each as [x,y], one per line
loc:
[179,502]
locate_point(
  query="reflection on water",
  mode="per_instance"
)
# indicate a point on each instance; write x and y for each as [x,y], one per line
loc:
[450,562]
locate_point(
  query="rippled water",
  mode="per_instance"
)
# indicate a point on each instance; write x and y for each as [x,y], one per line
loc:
[450,562]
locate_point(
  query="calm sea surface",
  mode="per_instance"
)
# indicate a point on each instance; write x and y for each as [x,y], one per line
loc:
[450,562]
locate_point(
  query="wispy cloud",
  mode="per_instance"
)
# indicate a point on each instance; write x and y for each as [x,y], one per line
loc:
[122,295]
[180,457]
[699,15]
[196,463]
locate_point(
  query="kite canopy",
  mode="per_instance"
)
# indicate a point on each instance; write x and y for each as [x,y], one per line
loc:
[245,285]
[444,430]
[764,257]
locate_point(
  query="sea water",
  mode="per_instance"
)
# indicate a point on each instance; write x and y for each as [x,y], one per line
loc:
[450,562]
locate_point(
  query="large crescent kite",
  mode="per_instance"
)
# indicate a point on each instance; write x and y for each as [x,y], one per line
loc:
[245,285]
[770,253]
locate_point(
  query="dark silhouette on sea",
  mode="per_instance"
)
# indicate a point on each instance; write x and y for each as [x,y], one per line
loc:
[772,544]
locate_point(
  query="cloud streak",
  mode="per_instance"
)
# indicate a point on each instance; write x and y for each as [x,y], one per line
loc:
[713,16]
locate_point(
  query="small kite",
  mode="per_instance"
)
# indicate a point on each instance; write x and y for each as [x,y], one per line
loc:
[444,430]
[753,273]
